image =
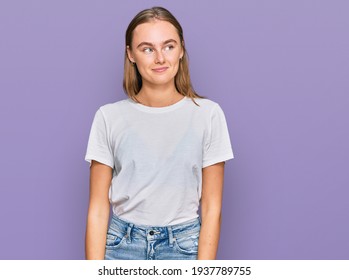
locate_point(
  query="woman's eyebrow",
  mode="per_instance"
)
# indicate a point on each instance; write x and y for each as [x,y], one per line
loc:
[152,45]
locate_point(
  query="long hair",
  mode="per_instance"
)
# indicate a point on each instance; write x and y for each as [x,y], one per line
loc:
[132,82]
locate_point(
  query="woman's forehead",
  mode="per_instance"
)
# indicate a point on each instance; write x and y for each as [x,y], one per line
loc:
[155,31]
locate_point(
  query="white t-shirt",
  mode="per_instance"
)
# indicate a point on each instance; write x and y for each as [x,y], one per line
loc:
[157,155]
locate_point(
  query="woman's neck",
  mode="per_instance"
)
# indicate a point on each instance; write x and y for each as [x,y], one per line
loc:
[159,96]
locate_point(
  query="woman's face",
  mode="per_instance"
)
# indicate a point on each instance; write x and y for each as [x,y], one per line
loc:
[156,49]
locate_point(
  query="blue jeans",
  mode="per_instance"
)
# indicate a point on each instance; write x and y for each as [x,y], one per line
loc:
[126,241]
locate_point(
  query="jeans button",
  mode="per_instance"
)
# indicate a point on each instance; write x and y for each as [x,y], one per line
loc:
[151,232]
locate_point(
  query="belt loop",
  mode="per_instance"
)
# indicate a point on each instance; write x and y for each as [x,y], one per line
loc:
[128,234]
[171,239]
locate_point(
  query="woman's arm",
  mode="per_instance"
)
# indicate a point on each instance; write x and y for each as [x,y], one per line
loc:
[98,211]
[211,206]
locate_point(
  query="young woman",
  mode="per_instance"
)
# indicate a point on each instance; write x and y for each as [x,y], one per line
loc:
[156,155]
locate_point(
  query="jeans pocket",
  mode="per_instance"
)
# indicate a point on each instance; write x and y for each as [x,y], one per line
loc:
[187,244]
[114,240]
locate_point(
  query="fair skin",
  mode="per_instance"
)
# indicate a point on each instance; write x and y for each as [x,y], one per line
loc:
[156,49]
[98,211]
[211,207]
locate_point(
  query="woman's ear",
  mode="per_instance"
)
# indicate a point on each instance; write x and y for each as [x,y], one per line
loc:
[182,51]
[129,54]
[181,55]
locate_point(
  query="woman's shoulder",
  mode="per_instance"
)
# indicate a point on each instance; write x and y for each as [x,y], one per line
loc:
[113,107]
[205,101]
[205,104]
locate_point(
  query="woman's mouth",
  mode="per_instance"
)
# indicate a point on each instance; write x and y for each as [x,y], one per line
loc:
[160,69]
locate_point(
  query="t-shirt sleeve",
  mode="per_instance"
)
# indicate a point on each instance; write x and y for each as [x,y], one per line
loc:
[217,147]
[99,148]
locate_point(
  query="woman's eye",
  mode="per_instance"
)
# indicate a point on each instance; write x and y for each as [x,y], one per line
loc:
[168,48]
[148,50]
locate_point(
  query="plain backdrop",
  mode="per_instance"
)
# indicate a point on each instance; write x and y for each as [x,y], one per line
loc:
[279,70]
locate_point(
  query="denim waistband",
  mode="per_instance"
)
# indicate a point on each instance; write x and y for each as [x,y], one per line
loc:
[151,233]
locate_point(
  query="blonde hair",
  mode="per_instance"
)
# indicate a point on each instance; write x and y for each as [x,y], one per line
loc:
[132,82]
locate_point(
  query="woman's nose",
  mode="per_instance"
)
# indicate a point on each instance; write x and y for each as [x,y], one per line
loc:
[159,57]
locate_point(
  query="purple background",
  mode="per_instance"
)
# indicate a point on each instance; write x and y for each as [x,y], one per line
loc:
[279,69]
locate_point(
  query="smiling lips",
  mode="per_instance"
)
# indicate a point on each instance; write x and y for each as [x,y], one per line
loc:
[160,69]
